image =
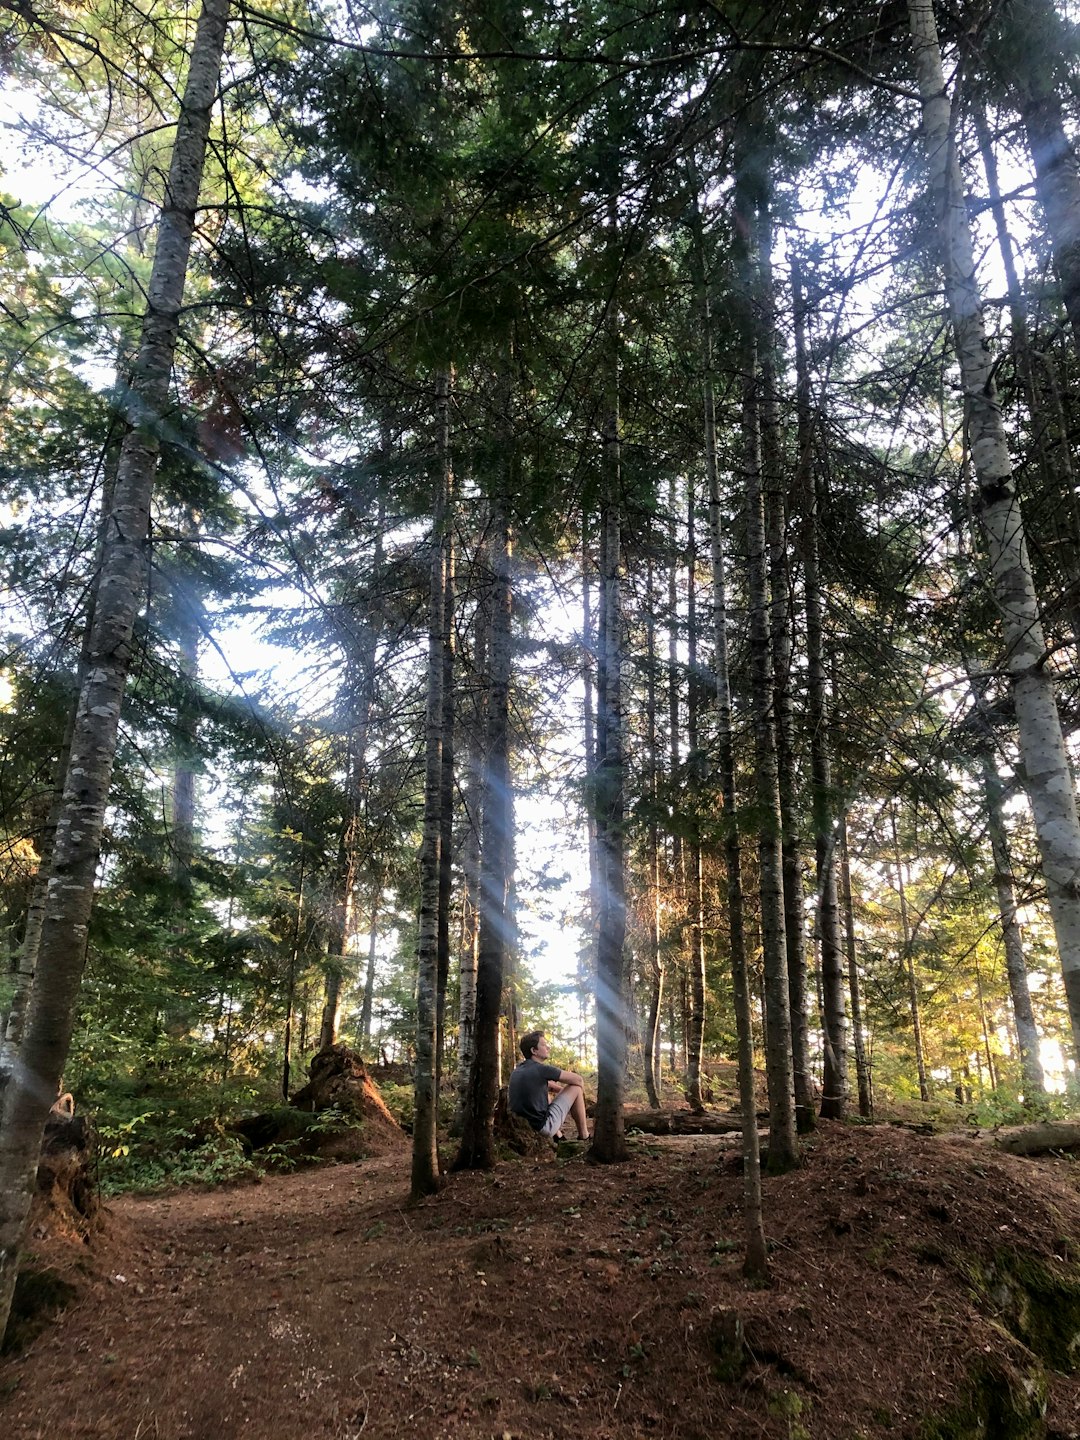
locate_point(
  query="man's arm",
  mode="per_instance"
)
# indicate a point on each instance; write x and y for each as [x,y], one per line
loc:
[567,1077]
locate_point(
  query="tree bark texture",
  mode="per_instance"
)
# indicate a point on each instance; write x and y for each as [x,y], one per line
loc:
[755,1263]
[1027,1033]
[477,1149]
[908,963]
[858,1034]
[1030,49]
[120,591]
[470,859]
[433,924]
[823,803]
[446,789]
[1047,777]
[778,1058]
[655,963]
[695,878]
[609,1144]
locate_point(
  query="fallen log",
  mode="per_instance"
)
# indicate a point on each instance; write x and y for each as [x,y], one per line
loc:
[682,1122]
[1039,1139]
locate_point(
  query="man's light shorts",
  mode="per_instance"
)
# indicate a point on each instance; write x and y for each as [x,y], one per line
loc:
[558,1111]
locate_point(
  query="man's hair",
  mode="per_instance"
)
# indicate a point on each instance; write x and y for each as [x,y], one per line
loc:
[529,1042]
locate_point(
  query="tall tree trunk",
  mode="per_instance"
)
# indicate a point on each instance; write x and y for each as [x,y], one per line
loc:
[755,1262]
[1046,770]
[834,1011]
[1032,47]
[477,1149]
[695,888]
[120,591]
[781,625]
[783,1148]
[470,857]
[609,1143]
[433,924]
[446,799]
[654,969]
[1049,429]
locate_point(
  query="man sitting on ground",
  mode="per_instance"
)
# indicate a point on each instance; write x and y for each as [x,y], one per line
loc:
[543,1094]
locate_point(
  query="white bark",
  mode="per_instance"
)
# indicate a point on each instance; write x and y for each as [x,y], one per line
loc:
[1046,774]
[120,594]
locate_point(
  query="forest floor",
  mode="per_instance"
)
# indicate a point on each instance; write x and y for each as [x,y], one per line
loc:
[562,1299]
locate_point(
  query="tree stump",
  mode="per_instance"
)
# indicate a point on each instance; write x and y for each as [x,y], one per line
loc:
[338,1115]
[67,1196]
[517,1134]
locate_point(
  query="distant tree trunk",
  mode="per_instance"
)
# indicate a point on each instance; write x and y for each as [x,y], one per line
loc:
[477,1149]
[909,965]
[186,624]
[862,1066]
[433,923]
[1027,1033]
[367,1005]
[337,928]
[120,589]
[609,1144]
[834,1011]
[1045,762]
[290,980]
[783,1148]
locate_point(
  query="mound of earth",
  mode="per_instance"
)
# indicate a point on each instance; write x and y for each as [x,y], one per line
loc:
[922,1289]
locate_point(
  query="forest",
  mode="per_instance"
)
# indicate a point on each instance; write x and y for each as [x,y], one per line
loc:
[560,515]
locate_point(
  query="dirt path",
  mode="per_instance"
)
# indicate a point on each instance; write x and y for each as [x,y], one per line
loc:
[556,1300]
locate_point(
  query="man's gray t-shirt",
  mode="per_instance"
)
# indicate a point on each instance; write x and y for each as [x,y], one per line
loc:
[529,1090]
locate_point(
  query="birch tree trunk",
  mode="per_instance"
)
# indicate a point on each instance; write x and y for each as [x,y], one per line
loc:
[120,593]
[1046,772]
